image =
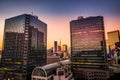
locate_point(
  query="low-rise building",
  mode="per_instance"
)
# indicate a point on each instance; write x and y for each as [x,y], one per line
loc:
[56,71]
[93,74]
[52,59]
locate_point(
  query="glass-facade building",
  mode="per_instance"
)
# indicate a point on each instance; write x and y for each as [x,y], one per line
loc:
[24,44]
[88,48]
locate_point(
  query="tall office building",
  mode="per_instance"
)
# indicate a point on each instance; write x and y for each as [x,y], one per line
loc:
[55,47]
[24,45]
[65,51]
[88,49]
[113,37]
[64,47]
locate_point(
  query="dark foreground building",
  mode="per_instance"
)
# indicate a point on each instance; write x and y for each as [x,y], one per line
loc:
[24,46]
[88,49]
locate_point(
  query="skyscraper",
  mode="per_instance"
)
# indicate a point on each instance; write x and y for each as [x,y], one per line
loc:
[113,37]
[64,47]
[88,49]
[65,51]
[55,47]
[24,45]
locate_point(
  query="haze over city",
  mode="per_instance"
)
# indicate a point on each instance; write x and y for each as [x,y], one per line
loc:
[58,13]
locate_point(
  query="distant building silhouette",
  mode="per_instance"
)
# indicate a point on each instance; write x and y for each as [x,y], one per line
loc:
[64,47]
[55,47]
[52,59]
[50,52]
[65,51]
[88,48]
[24,46]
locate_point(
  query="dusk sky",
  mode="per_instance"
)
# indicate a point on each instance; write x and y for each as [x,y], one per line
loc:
[58,14]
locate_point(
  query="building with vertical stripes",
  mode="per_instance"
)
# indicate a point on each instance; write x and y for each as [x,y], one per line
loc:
[88,48]
[24,46]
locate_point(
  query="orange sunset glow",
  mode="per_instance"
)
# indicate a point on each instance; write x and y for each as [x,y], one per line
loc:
[58,29]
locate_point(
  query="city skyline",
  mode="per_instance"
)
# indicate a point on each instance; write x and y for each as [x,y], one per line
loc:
[57,14]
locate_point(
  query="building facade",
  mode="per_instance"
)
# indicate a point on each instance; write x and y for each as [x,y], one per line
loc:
[113,37]
[55,47]
[64,47]
[24,44]
[65,51]
[0,57]
[88,48]
[52,59]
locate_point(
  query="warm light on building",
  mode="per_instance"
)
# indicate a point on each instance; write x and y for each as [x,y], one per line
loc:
[88,49]
[113,37]
[24,46]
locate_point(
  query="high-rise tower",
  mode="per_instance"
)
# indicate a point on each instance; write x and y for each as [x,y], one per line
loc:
[113,37]
[88,49]
[25,42]
[55,47]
